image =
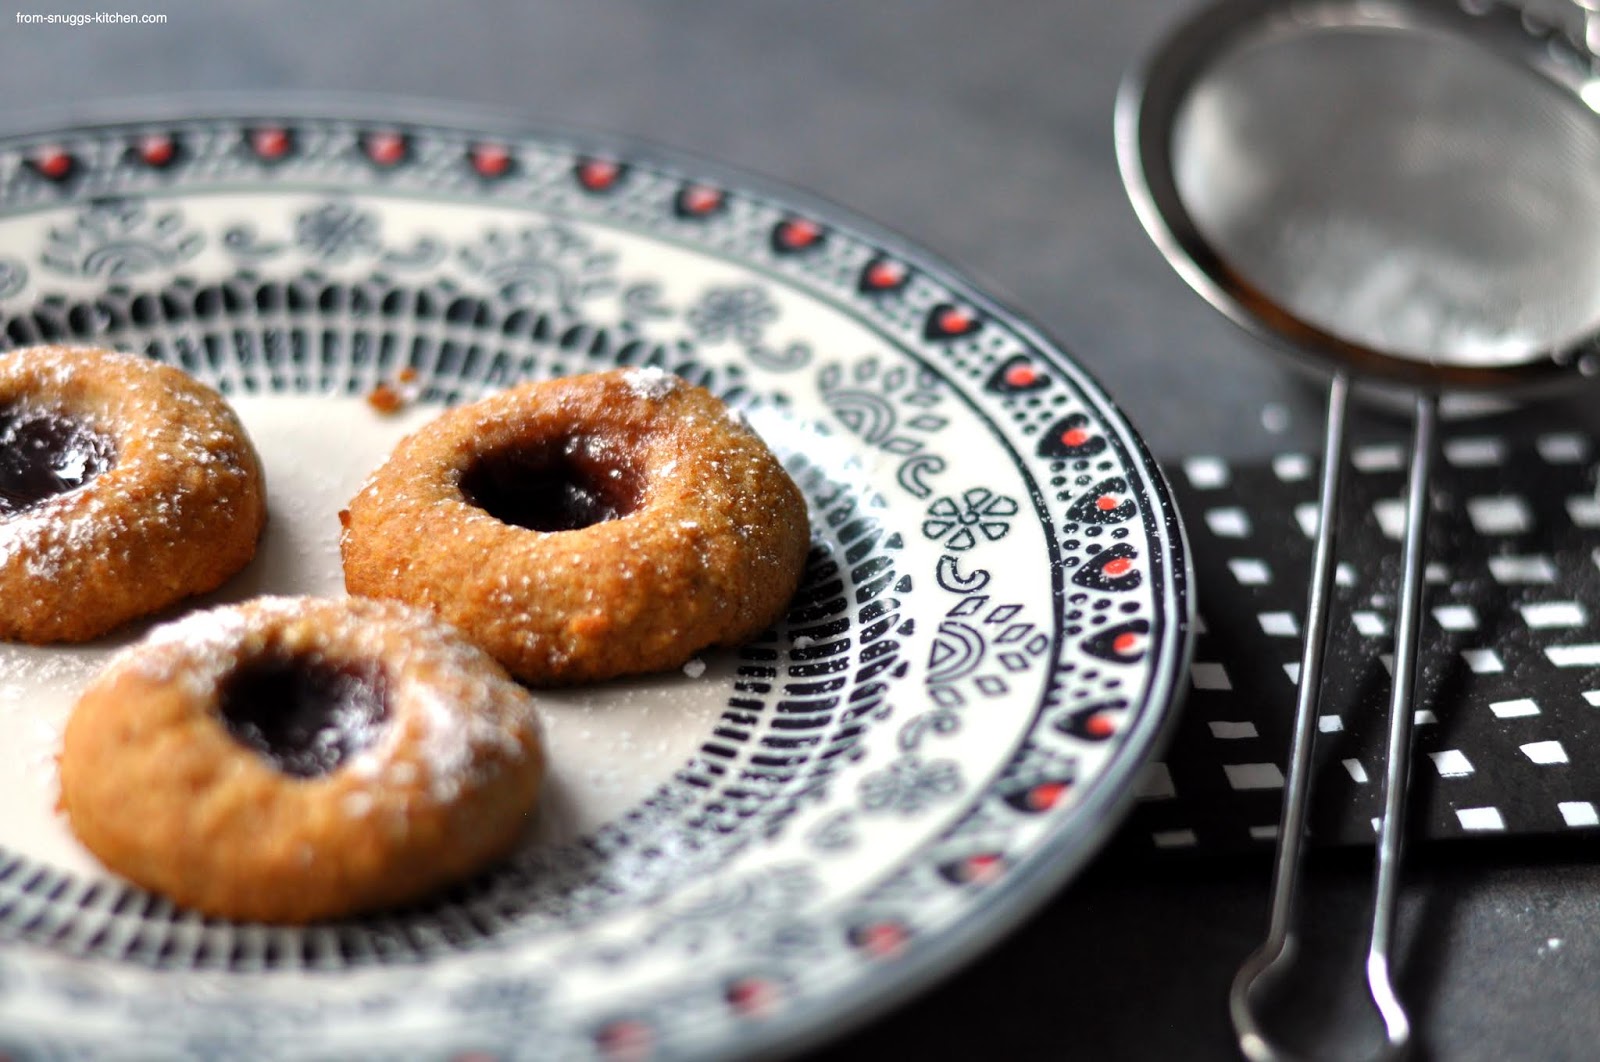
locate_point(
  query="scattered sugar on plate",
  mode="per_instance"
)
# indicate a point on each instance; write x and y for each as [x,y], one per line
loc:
[695,668]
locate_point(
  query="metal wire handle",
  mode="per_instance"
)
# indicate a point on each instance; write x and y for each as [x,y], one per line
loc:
[1278,952]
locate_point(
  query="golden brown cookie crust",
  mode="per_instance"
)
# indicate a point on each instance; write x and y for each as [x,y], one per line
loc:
[154,785]
[177,513]
[710,555]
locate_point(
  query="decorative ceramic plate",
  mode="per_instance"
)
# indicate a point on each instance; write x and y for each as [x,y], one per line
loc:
[989,639]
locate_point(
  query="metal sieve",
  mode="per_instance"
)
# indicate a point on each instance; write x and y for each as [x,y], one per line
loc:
[1405,196]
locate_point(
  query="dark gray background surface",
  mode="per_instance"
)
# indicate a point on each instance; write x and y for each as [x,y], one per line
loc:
[982,131]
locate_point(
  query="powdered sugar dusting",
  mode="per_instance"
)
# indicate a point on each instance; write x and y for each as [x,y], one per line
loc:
[455,742]
[120,414]
[42,536]
[651,382]
[469,713]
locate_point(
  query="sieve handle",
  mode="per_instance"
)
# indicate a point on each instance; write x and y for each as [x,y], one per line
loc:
[1397,761]
[1277,953]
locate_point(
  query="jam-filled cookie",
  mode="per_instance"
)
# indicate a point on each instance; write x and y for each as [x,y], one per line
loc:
[125,485]
[295,759]
[585,527]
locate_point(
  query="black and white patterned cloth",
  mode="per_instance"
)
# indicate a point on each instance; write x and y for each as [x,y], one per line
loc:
[1507,740]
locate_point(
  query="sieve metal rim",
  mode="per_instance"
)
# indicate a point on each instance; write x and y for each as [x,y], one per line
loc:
[1146,112]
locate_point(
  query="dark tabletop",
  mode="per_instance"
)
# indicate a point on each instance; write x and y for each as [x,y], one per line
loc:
[982,131]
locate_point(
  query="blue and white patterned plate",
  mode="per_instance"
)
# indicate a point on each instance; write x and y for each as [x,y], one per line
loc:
[990,639]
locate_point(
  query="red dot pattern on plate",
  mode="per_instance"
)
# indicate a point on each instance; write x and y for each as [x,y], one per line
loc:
[1106,502]
[700,199]
[950,322]
[54,163]
[1122,644]
[491,160]
[797,234]
[882,940]
[882,275]
[1046,795]
[753,996]
[627,1040]
[1022,376]
[386,148]
[885,274]
[955,321]
[983,869]
[1019,374]
[156,149]
[271,142]
[1100,724]
[1117,566]
[599,175]
[1071,437]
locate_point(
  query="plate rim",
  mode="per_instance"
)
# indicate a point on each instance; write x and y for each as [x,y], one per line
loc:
[1061,853]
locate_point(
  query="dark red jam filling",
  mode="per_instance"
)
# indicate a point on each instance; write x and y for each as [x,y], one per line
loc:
[569,485]
[305,716]
[43,454]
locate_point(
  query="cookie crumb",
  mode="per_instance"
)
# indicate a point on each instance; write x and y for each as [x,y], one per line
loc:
[386,399]
[390,398]
[695,668]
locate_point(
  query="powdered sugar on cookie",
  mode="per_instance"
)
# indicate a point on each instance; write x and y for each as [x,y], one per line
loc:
[651,382]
